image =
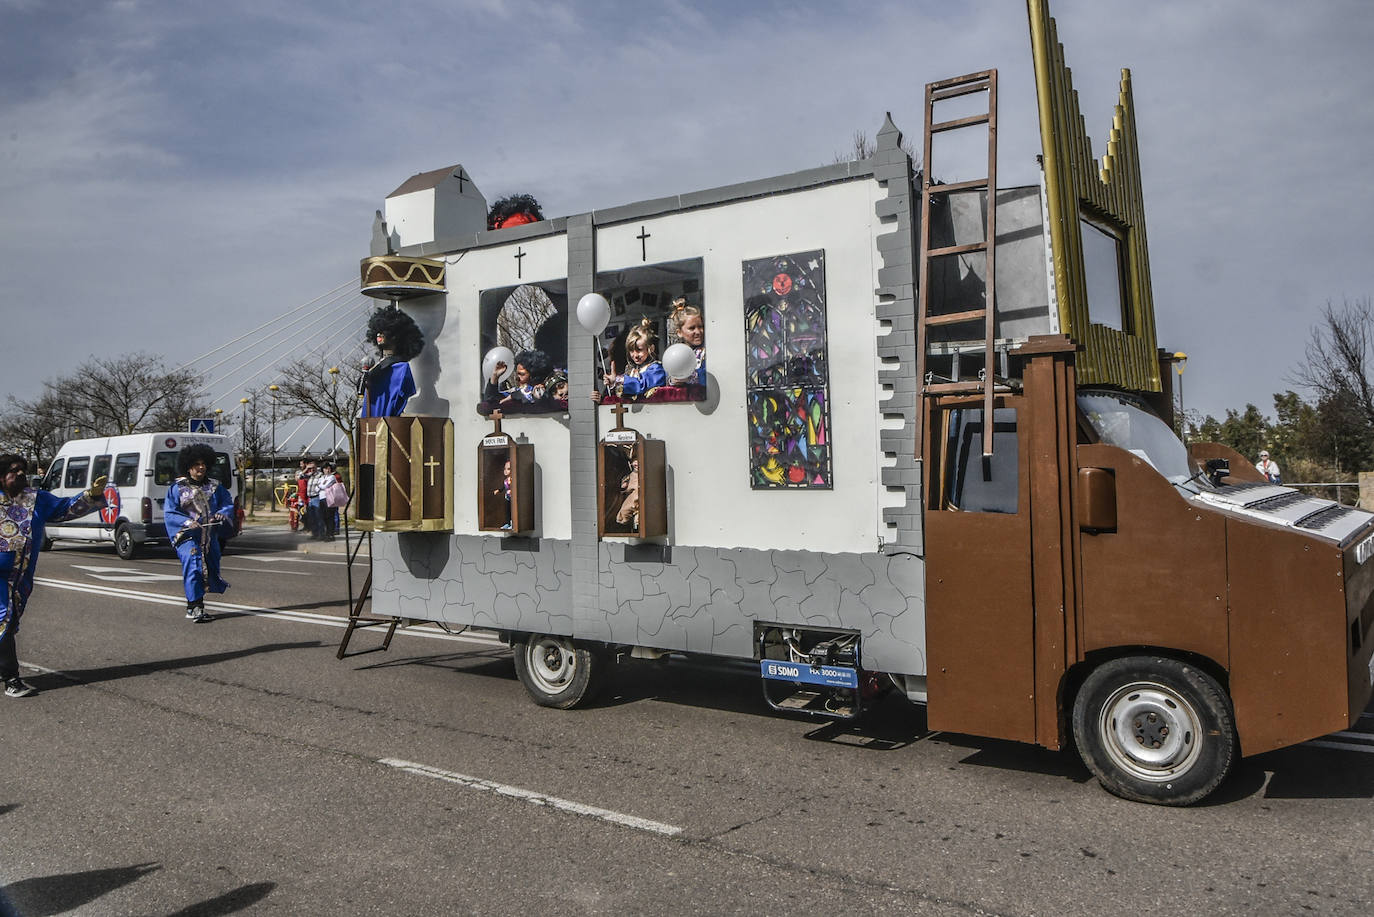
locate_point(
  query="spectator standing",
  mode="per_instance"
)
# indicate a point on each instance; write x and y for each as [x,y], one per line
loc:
[318,510]
[303,496]
[1268,468]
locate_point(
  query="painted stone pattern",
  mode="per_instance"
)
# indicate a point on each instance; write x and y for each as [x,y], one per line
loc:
[699,602]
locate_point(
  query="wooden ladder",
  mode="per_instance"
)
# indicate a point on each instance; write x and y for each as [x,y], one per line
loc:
[986,383]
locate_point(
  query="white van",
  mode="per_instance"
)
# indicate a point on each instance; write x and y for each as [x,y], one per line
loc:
[139,466]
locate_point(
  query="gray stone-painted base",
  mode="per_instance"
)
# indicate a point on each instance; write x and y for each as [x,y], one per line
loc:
[697,600]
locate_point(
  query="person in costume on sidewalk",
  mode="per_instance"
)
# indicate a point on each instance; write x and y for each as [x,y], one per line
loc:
[25,511]
[197,507]
[389,384]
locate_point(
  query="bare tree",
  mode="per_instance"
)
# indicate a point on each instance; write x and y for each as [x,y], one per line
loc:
[521,315]
[309,389]
[111,396]
[34,429]
[863,148]
[1338,358]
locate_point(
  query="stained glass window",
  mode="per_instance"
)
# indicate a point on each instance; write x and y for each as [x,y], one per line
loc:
[787,376]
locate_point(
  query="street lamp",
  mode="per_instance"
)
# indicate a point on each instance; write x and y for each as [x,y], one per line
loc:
[253,477]
[1181,360]
[334,400]
[272,476]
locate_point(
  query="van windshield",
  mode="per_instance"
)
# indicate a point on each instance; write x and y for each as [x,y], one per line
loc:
[165,469]
[1120,421]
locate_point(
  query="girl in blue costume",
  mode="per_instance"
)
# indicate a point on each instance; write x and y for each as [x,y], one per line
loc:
[196,510]
[644,374]
[24,513]
[390,383]
[689,328]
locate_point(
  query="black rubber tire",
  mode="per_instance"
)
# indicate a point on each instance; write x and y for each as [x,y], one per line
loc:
[556,671]
[1155,730]
[124,543]
[46,545]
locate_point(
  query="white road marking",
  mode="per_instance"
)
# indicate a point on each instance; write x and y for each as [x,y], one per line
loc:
[126,574]
[431,632]
[296,560]
[1358,736]
[530,796]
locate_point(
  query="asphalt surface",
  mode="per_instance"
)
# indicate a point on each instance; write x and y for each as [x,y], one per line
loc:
[170,768]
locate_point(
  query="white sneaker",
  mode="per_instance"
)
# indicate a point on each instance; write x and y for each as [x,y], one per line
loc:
[15,687]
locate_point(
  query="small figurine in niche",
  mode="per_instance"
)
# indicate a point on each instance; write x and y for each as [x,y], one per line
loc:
[389,384]
[644,373]
[530,365]
[688,327]
[622,489]
[514,210]
[628,513]
[504,491]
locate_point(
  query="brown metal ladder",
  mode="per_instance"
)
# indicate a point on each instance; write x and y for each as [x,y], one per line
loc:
[984,81]
[356,618]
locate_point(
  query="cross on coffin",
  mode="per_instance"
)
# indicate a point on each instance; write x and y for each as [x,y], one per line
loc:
[496,416]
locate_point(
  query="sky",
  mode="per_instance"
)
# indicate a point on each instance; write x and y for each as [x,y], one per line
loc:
[176,175]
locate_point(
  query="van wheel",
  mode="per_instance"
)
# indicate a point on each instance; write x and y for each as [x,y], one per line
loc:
[125,546]
[1155,730]
[556,672]
[46,545]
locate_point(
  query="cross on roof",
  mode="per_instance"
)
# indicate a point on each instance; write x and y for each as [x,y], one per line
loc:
[643,245]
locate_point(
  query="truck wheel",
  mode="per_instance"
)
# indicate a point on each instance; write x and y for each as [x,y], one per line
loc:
[1155,730]
[125,546]
[555,672]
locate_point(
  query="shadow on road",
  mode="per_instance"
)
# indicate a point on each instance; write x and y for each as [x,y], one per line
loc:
[7,809]
[48,895]
[229,902]
[1308,772]
[55,680]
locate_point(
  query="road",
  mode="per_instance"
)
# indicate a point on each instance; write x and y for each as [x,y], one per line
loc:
[170,768]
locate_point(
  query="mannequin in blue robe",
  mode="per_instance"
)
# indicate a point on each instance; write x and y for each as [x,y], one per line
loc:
[389,384]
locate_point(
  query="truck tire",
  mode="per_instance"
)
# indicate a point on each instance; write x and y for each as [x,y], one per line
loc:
[124,543]
[1155,730]
[555,671]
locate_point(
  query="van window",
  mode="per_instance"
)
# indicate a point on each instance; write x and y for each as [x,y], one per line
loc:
[126,470]
[76,472]
[165,468]
[101,468]
[54,475]
[972,482]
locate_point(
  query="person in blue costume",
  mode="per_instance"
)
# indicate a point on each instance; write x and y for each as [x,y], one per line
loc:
[25,512]
[644,373]
[197,509]
[526,391]
[687,324]
[389,384]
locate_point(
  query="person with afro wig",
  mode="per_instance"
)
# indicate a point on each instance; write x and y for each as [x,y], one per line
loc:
[197,510]
[389,384]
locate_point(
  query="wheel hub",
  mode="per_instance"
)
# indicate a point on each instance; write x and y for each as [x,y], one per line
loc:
[1150,731]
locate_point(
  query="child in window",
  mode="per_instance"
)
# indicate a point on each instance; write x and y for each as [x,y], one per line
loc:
[644,374]
[688,327]
[530,365]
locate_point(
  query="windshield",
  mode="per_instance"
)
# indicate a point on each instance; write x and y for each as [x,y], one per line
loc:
[1120,422]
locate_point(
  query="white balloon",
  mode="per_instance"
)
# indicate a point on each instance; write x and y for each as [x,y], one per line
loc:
[593,312]
[679,362]
[498,355]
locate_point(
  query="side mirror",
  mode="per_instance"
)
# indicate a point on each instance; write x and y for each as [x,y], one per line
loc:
[1096,500]
[1217,469]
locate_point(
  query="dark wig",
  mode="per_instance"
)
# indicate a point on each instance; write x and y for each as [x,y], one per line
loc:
[9,460]
[402,334]
[513,210]
[196,452]
[537,362]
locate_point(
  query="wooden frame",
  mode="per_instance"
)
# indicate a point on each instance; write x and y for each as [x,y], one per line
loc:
[630,505]
[505,506]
